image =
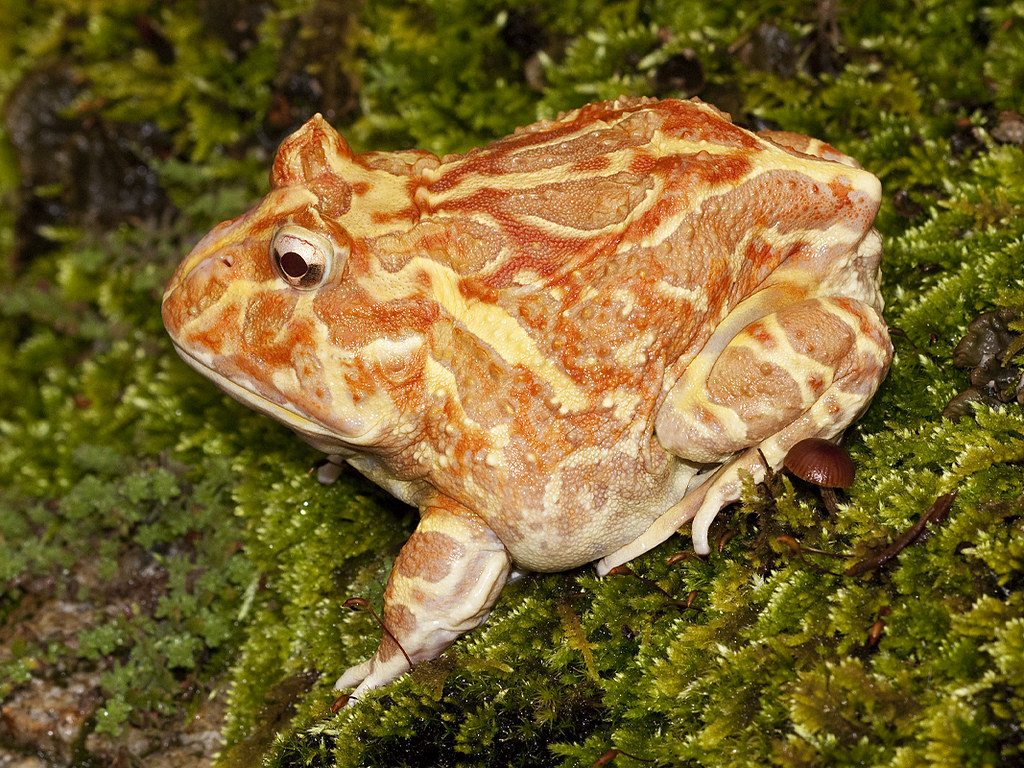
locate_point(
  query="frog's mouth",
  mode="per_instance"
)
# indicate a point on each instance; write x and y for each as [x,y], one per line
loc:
[342,437]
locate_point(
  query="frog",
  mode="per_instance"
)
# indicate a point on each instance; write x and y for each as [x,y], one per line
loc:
[562,347]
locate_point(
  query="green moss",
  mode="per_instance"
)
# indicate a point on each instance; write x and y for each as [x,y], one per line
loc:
[1005,66]
[761,653]
[88,485]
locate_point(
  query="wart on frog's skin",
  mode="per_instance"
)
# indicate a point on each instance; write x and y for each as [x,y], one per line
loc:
[561,347]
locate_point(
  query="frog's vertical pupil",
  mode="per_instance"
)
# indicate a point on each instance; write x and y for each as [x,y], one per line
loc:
[293,265]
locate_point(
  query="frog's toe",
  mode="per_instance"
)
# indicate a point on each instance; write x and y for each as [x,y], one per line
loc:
[354,675]
[372,673]
[330,469]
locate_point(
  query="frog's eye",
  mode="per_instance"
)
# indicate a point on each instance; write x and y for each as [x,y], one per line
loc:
[302,258]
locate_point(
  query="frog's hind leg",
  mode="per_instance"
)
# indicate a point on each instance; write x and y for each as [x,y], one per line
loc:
[805,370]
[718,489]
[443,584]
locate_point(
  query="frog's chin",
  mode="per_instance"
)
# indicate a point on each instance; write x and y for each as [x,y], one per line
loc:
[344,437]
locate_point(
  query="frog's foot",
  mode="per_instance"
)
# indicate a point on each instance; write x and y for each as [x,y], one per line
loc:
[718,489]
[805,370]
[445,580]
[330,469]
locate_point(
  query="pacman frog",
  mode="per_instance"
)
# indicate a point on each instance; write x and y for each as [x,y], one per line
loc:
[560,347]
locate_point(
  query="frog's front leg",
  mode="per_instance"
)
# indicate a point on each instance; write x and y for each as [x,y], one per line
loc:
[444,582]
[769,377]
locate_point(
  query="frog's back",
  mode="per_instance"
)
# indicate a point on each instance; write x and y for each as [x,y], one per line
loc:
[667,201]
[559,193]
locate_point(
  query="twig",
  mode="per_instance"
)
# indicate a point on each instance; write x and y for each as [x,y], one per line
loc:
[936,513]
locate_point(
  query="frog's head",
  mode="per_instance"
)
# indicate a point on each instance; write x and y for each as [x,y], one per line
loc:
[284,309]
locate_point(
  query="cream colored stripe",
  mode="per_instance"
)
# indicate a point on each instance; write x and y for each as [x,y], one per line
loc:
[554,229]
[786,357]
[499,330]
[516,182]
[734,425]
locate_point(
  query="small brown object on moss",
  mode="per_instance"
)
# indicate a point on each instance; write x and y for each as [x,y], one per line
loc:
[935,514]
[820,462]
[824,464]
[988,350]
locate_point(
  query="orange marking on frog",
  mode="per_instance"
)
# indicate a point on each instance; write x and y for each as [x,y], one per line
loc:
[429,556]
[590,165]
[472,288]
[643,164]
[761,335]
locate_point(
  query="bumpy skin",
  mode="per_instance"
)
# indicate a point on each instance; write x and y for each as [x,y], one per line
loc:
[560,347]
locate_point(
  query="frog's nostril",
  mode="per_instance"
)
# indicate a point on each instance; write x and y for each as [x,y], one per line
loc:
[227,260]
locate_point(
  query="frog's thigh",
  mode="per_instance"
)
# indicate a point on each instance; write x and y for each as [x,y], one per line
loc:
[816,363]
[806,370]
[444,582]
